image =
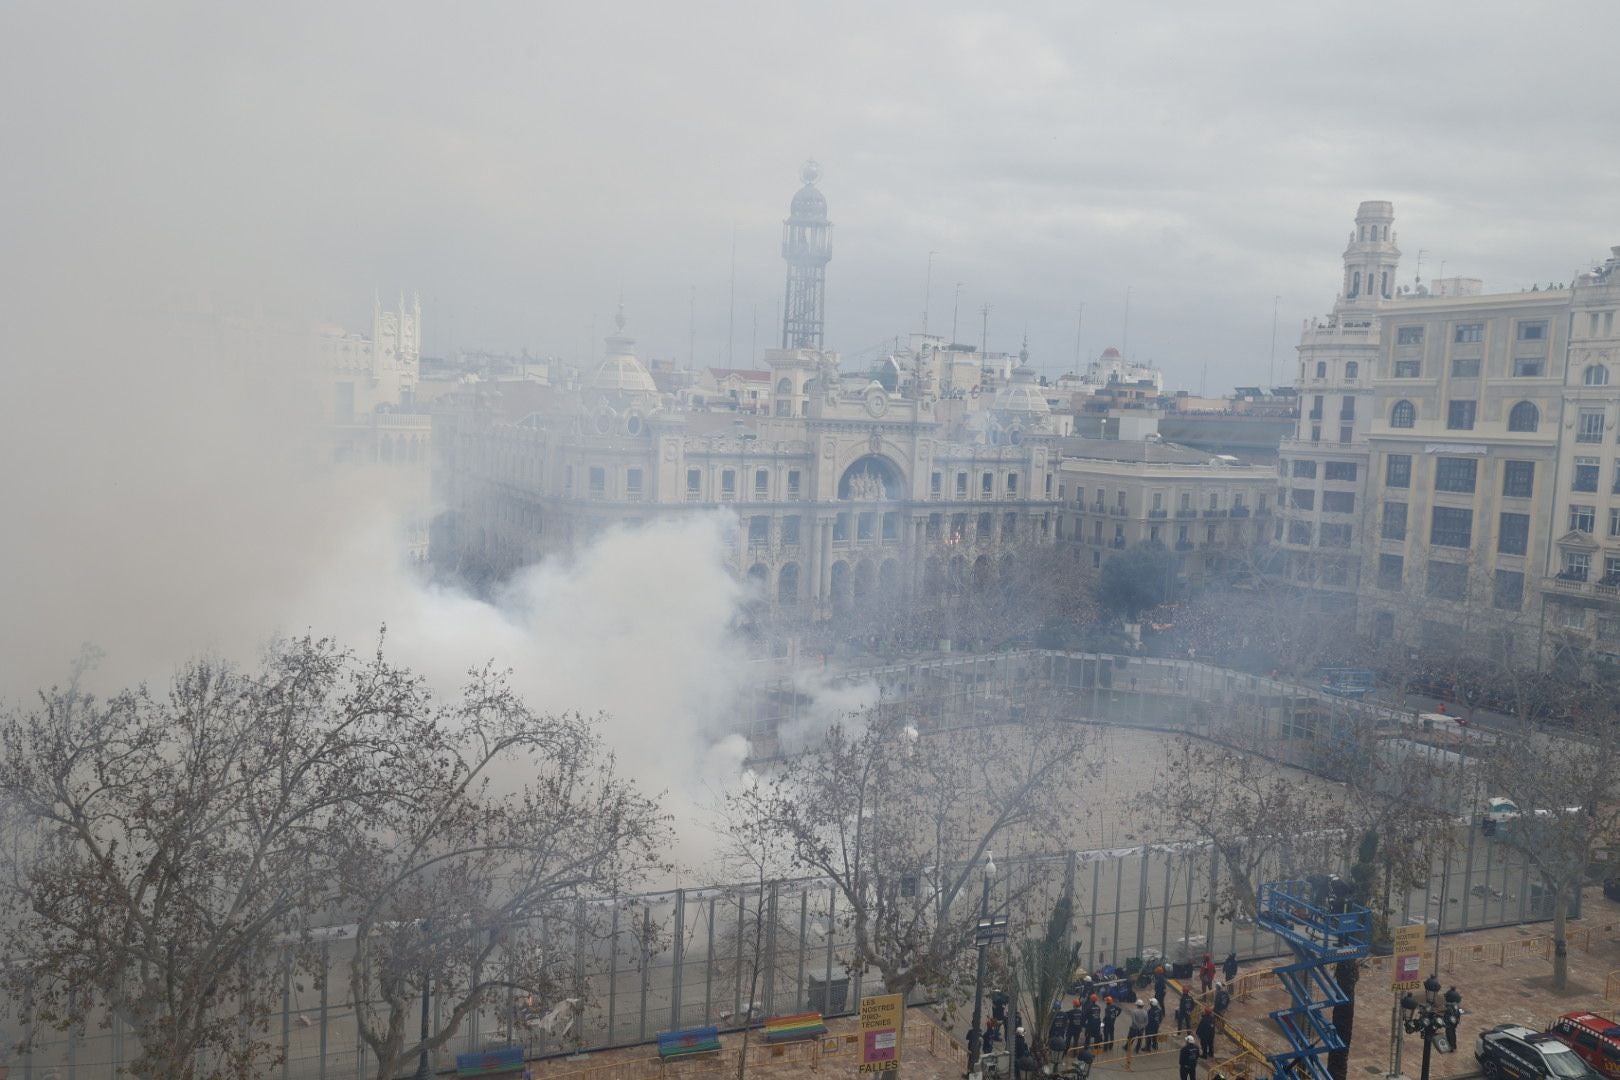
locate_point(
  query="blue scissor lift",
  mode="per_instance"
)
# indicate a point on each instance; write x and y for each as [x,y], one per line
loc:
[1320,938]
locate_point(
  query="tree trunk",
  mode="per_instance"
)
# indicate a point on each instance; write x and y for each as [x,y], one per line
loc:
[1560,976]
[1347,973]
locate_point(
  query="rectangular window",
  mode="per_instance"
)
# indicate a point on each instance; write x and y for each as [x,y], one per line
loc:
[632,483]
[728,483]
[1009,527]
[1518,479]
[1455,474]
[1408,369]
[1608,629]
[1409,335]
[1585,477]
[1577,565]
[1614,522]
[793,483]
[1347,408]
[983,527]
[936,485]
[1398,471]
[1460,415]
[1119,500]
[1589,426]
[1394,521]
[1316,407]
[1079,496]
[1304,499]
[1469,333]
[598,481]
[1335,536]
[1339,502]
[987,485]
[1571,617]
[1012,485]
[1390,569]
[1341,470]
[1513,534]
[1465,367]
[1611,569]
[694,481]
[937,521]
[762,483]
[1451,527]
[759,529]
[1582,518]
[1532,331]
[865,525]
[1508,593]
[1347,435]
[1305,469]
[961,485]
[1446,580]
[1529,367]
[891,525]
[1299,532]
[841,527]
[790,531]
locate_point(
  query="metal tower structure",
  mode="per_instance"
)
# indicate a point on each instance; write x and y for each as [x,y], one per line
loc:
[1322,930]
[807,247]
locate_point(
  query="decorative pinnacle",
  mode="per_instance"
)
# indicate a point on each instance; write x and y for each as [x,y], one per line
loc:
[810,172]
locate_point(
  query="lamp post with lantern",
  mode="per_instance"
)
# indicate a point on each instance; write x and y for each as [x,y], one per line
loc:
[988,932]
[1430,1016]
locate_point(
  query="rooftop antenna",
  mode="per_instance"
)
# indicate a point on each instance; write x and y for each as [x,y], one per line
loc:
[731,307]
[928,290]
[691,328]
[1125,334]
[1271,369]
[1417,273]
[984,331]
[1079,324]
[955,304]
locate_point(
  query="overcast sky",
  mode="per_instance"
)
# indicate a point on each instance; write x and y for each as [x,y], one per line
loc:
[522,165]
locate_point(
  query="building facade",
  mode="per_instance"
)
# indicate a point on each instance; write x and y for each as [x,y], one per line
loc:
[1452,478]
[1212,512]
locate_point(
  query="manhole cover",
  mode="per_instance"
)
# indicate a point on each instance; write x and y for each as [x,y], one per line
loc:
[1374,1070]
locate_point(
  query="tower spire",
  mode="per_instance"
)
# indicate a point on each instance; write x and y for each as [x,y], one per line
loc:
[807,247]
[1371,257]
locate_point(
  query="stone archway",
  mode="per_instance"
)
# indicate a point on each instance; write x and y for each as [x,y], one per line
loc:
[839,590]
[981,573]
[863,581]
[787,584]
[889,578]
[872,478]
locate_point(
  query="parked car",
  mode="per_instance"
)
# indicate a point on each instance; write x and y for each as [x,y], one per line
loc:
[1594,1039]
[1611,889]
[1514,1052]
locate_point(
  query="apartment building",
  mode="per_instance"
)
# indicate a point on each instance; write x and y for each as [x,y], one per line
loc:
[1462,455]
[1213,512]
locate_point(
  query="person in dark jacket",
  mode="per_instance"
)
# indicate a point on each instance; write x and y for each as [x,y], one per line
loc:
[1206,1034]
[1453,1016]
[1023,1063]
[1110,1016]
[1074,1025]
[1161,986]
[1155,1018]
[1188,1059]
[1223,998]
[1184,1013]
[1229,966]
[1097,1034]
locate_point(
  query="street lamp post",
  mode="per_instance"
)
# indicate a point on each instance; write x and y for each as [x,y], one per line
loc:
[988,932]
[424,1065]
[1429,1017]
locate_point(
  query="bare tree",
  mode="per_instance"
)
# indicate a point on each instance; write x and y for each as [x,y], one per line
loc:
[172,839]
[899,822]
[1562,770]
[513,815]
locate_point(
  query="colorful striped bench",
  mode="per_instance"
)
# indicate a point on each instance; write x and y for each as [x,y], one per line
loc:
[507,1061]
[785,1029]
[688,1043]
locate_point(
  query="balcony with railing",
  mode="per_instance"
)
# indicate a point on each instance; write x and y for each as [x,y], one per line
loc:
[1158,514]
[1186,512]
[1240,511]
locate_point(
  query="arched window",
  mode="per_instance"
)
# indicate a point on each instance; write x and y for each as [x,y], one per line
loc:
[1321,369]
[1596,375]
[1351,369]
[1403,415]
[784,387]
[1523,417]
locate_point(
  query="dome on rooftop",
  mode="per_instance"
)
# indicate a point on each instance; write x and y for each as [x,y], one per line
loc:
[620,371]
[1022,394]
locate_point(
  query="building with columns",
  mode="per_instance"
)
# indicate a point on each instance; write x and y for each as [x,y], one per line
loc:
[848,488]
